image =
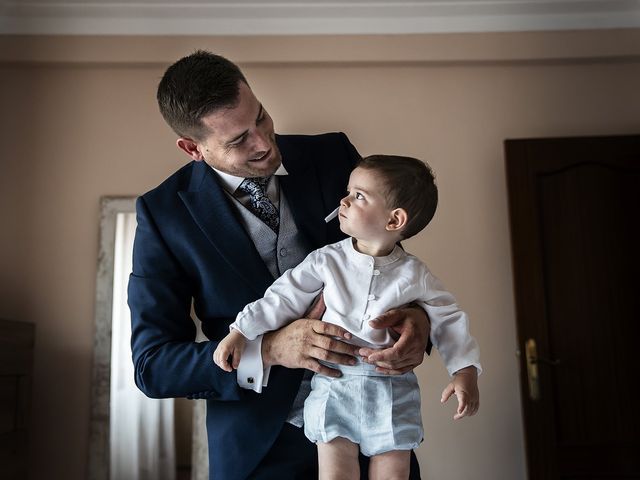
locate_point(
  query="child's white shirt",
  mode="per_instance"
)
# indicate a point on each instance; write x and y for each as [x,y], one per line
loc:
[358,288]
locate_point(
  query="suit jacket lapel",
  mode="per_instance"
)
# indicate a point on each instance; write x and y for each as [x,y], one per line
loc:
[210,209]
[302,189]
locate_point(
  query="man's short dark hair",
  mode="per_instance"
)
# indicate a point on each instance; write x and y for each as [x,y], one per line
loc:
[409,184]
[196,86]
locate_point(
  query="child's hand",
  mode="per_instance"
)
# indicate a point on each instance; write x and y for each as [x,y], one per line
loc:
[231,345]
[465,387]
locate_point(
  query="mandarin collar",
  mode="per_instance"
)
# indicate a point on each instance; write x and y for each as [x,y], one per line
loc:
[364,259]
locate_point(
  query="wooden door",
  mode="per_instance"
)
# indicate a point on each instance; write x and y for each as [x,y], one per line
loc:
[575,213]
[16,366]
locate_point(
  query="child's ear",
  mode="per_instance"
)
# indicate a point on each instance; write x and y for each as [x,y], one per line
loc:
[397,220]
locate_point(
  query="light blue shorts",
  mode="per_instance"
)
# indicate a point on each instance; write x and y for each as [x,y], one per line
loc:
[377,411]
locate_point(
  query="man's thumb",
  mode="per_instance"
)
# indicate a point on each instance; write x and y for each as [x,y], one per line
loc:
[388,319]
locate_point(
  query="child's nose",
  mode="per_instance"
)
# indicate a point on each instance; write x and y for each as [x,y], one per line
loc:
[344,201]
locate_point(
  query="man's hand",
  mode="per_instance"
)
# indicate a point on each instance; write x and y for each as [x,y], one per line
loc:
[302,343]
[465,387]
[407,353]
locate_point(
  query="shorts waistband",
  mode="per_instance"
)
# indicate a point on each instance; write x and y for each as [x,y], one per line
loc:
[360,368]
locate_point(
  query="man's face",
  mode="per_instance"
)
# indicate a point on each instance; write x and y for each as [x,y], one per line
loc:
[240,140]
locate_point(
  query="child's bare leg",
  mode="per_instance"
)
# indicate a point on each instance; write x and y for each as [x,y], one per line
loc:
[338,460]
[394,465]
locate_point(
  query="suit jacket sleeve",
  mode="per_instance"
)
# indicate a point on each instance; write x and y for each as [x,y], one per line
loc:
[167,360]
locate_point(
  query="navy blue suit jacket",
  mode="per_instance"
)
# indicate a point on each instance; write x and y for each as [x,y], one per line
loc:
[190,244]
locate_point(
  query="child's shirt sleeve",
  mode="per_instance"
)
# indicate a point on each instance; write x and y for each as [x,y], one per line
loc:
[286,300]
[449,327]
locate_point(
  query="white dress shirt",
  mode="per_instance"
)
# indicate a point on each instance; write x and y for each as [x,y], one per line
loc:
[251,372]
[358,288]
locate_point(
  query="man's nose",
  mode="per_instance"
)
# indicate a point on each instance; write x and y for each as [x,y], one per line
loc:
[262,143]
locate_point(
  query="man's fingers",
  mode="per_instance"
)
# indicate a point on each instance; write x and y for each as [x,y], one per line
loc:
[331,357]
[366,352]
[394,371]
[392,357]
[317,367]
[404,364]
[387,319]
[401,349]
[333,345]
[329,329]
[390,354]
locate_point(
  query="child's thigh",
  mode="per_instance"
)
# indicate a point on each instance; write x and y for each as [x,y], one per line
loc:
[338,460]
[393,465]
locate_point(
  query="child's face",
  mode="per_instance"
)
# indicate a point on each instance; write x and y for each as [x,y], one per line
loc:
[363,212]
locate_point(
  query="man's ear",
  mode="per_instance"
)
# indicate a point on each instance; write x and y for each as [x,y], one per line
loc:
[190,147]
[397,220]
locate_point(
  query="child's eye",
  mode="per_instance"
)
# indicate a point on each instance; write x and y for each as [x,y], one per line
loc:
[359,196]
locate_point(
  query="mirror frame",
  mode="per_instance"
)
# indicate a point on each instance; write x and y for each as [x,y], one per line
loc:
[99,424]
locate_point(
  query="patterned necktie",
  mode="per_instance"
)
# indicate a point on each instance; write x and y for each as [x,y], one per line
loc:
[261,205]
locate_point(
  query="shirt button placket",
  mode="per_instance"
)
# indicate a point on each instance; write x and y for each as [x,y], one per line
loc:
[367,316]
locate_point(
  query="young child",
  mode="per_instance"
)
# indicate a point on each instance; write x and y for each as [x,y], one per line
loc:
[389,198]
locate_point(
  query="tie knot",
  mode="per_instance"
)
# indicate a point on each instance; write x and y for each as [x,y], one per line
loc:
[254,186]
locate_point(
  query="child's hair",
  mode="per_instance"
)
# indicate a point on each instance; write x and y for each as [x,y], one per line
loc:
[410,185]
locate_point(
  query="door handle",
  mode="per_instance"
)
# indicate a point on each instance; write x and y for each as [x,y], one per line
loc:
[531,355]
[532,358]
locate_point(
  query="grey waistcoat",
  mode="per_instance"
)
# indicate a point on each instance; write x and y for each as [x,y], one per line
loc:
[279,252]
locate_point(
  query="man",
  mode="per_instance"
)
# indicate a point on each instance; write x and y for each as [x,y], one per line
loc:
[216,233]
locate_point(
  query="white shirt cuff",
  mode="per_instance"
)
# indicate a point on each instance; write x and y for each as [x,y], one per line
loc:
[251,373]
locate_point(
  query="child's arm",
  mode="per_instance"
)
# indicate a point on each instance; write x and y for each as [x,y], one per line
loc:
[286,300]
[231,345]
[449,327]
[465,387]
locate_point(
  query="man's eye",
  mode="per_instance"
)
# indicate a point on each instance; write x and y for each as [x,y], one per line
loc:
[238,142]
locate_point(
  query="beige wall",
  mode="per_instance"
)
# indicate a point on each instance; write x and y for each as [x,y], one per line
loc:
[79,121]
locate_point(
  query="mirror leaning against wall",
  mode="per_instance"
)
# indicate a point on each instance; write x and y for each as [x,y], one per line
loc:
[133,437]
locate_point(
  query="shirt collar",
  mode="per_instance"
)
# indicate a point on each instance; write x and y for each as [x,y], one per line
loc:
[231,183]
[364,259]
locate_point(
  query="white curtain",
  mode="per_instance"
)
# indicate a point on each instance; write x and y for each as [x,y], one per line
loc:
[142,438]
